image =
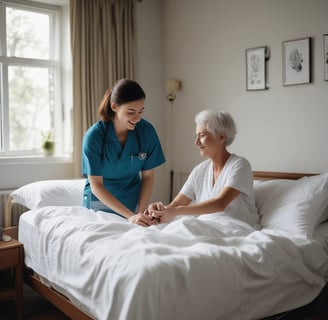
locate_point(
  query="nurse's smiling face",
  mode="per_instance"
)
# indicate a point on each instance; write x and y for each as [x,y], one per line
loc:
[127,115]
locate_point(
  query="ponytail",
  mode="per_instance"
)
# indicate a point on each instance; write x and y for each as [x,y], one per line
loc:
[105,110]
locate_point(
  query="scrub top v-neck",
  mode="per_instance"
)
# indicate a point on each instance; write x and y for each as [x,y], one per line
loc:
[121,166]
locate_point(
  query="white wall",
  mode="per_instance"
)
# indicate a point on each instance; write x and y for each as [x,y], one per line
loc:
[281,129]
[15,173]
[151,77]
[202,43]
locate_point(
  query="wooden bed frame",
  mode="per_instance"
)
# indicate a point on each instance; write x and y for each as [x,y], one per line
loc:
[53,296]
[315,309]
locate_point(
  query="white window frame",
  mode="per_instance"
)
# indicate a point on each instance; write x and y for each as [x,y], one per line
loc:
[59,60]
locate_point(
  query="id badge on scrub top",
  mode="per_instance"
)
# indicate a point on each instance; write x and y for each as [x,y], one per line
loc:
[138,160]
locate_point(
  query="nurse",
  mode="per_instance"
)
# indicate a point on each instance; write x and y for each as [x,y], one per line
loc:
[119,154]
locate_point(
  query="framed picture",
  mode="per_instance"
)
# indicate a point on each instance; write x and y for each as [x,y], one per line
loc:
[296,61]
[325,52]
[256,68]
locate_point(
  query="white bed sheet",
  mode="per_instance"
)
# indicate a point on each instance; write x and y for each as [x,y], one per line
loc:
[188,269]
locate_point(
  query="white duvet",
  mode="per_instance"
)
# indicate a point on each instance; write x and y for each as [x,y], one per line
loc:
[187,269]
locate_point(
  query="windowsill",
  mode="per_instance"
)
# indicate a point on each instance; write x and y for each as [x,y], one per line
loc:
[35,159]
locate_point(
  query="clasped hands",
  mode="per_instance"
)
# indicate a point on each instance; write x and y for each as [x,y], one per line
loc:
[155,213]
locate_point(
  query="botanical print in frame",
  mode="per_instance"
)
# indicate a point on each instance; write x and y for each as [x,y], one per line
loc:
[296,61]
[325,51]
[255,68]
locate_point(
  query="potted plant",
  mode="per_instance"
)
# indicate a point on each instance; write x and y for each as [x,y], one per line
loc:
[48,143]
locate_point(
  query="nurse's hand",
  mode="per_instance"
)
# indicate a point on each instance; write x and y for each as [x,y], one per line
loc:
[142,219]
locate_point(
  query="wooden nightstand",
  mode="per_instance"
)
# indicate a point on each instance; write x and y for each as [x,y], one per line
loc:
[12,258]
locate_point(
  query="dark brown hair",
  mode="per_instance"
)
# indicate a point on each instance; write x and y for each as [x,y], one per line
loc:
[124,91]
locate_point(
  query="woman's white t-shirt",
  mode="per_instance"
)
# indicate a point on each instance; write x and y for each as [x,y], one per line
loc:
[237,174]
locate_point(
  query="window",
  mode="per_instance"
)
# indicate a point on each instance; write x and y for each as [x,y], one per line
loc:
[32,90]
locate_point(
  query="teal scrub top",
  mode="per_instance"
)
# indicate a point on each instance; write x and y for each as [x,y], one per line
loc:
[120,166]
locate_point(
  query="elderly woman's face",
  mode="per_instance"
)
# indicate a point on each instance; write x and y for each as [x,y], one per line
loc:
[208,144]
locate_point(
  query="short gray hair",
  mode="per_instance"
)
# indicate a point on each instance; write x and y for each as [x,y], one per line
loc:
[217,122]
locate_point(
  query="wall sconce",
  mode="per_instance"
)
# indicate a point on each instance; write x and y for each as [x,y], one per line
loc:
[172,86]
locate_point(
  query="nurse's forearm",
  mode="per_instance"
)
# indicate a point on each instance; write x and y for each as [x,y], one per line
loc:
[146,190]
[110,201]
[107,198]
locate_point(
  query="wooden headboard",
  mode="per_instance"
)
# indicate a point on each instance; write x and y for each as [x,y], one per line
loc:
[271,175]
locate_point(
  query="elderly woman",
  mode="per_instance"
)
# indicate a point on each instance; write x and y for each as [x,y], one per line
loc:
[222,184]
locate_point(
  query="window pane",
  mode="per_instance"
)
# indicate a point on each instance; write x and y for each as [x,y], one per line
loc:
[27,34]
[31,106]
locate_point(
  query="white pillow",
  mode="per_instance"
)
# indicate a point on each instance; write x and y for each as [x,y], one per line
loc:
[293,206]
[50,193]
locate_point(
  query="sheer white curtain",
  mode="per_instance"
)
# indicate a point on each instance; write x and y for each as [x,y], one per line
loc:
[103,51]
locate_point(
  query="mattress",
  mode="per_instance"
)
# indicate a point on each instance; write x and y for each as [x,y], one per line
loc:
[188,269]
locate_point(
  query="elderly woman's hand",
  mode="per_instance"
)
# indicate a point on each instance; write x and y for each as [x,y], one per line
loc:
[156,206]
[165,215]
